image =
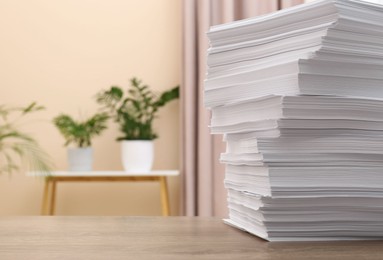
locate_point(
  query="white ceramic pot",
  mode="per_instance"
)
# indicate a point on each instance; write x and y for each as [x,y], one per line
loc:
[137,156]
[80,159]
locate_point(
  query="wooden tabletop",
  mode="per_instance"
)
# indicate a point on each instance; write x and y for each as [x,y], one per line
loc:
[157,238]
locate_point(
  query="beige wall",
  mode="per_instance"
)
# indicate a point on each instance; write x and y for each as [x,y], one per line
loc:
[61,53]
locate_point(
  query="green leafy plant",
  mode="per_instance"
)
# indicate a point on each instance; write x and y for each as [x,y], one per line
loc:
[81,132]
[135,111]
[16,146]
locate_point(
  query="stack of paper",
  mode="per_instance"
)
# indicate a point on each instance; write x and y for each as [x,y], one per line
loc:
[298,95]
[328,47]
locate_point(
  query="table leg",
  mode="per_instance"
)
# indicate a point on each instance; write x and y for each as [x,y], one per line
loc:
[53,198]
[164,196]
[44,206]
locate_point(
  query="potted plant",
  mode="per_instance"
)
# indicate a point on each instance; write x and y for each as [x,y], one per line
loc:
[80,133]
[135,112]
[17,146]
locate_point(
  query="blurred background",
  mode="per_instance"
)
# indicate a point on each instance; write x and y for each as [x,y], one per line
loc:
[60,54]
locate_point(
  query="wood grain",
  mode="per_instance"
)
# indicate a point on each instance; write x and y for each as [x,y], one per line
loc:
[157,238]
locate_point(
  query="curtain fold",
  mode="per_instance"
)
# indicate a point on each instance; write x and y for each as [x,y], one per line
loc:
[203,192]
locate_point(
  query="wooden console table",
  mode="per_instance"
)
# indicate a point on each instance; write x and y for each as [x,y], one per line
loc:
[170,238]
[51,181]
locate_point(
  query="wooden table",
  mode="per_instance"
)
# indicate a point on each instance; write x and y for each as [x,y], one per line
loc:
[52,179]
[157,238]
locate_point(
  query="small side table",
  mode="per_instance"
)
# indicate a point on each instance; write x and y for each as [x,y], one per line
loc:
[53,178]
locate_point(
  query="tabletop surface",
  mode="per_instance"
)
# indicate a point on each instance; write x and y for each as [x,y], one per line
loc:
[103,173]
[157,238]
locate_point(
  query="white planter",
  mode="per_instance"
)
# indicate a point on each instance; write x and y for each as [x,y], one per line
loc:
[80,159]
[137,156]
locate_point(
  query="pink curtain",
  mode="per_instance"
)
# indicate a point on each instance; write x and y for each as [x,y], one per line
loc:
[203,192]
